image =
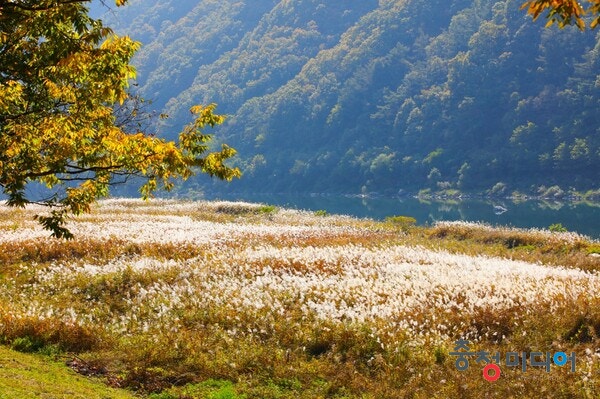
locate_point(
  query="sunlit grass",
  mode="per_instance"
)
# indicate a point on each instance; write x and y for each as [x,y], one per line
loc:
[193,299]
[26,376]
[533,245]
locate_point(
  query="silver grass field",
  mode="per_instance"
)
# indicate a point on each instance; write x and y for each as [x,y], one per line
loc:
[162,295]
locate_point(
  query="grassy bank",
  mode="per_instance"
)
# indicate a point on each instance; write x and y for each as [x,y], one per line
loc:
[24,376]
[236,300]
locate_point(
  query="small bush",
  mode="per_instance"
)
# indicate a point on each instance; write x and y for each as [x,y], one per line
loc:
[402,222]
[33,334]
[557,228]
[441,354]
[26,344]
[267,209]
[593,249]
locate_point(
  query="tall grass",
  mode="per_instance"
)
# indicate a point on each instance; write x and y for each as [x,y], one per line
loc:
[193,299]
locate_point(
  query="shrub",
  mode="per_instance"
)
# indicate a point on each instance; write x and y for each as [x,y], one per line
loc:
[402,222]
[557,228]
[267,209]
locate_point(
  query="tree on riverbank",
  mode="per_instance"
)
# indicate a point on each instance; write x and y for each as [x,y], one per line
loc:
[62,74]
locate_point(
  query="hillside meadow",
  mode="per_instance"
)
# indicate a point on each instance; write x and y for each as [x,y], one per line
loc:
[174,299]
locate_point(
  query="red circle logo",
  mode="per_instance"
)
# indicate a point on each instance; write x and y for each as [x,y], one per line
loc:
[486,372]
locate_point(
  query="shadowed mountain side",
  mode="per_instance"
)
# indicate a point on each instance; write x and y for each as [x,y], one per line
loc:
[380,96]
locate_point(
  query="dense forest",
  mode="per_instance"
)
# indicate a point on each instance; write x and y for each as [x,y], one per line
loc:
[377,96]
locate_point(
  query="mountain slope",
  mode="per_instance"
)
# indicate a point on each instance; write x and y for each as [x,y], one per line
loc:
[379,96]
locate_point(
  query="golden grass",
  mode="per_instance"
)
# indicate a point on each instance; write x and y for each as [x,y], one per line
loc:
[535,246]
[194,300]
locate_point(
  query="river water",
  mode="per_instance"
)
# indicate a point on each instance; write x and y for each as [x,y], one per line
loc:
[580,217]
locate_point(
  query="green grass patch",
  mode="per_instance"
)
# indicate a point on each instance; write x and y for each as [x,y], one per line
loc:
[25,376]
[209,389]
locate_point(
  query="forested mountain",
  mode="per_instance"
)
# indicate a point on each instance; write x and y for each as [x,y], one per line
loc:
[387,95]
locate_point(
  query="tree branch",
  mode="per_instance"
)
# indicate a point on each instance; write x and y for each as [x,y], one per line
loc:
[25,7]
